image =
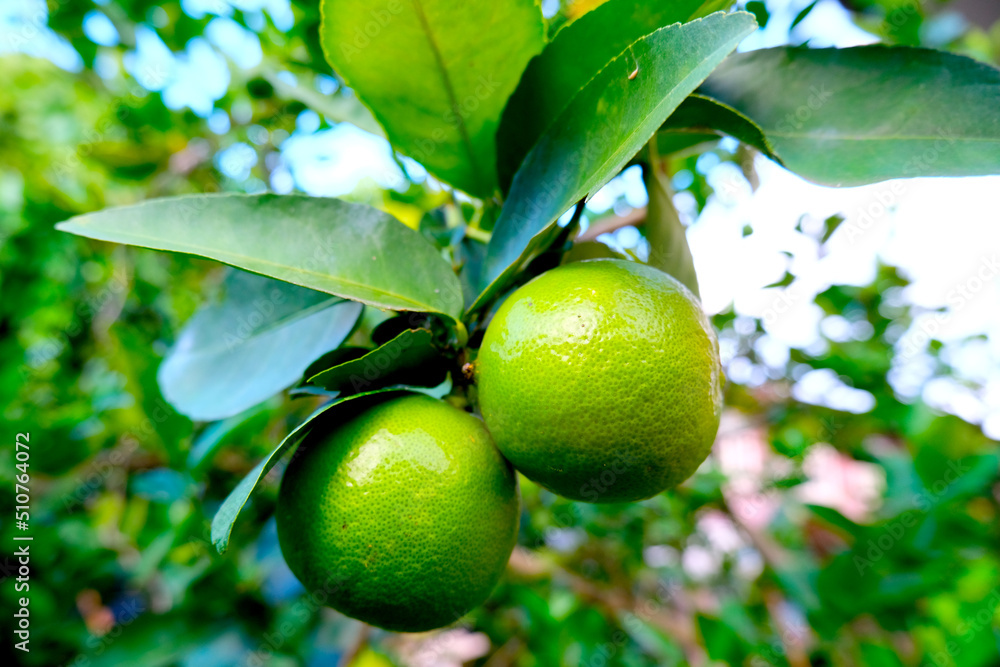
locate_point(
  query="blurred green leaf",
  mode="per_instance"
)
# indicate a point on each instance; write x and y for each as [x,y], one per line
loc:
[256,341]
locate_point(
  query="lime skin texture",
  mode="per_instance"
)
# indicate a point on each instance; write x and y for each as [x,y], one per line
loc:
[403,517]
[600,380]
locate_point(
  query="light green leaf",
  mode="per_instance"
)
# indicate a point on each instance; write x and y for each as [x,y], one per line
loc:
[869,113]
[436,74]
[600,131]
[349,250]
[575,55]
[216,368]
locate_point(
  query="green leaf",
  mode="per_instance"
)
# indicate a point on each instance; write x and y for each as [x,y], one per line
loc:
[801,16]
[325,417]
[349,250]
[571,60]
[407,359]
[870,113]
[759,11]
[601,129]
[584,250]
[256,341]
[436,74]
[681,141]
[342,107]
[668,245]
[698,114]
[218,434]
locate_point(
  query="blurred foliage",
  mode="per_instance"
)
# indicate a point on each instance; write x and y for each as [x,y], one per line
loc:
[123,488]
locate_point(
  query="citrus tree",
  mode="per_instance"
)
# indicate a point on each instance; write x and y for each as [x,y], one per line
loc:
[525,124]
[352,308]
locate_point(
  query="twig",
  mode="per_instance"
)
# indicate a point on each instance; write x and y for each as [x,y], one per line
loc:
[606,225]
[675,620]
[359,644]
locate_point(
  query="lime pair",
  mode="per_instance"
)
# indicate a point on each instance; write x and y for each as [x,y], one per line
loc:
[599,380]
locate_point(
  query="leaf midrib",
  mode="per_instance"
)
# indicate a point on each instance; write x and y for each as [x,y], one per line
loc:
[850,137]
[276,326]
[203,251]
[449,90]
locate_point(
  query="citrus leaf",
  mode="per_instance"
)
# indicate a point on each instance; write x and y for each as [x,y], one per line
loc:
[698,113]
[574,56]
[325,417]
[436,74]
[407,359]
[349,250]
[215,371]
[668,245]
[869,113]
[682,141]
[601,129]
[584,250]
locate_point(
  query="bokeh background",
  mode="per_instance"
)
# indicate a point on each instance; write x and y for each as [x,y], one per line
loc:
[848,514]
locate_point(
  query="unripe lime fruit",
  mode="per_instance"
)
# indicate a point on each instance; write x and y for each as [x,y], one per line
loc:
[403,517]
[600,380]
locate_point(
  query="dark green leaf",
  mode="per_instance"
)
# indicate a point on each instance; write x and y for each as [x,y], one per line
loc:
[574,56]
[830,226]
[436,74]
[870,113]
[601,129]
[334,358]
[584,250]
[407,359]
[759,11]
[801,16]
[668,245]
[678,141]
[250,345]
[350,250]
[698,113]
[785,281]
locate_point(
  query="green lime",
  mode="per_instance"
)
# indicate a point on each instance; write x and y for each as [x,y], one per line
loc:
[403,517]
[600,380]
